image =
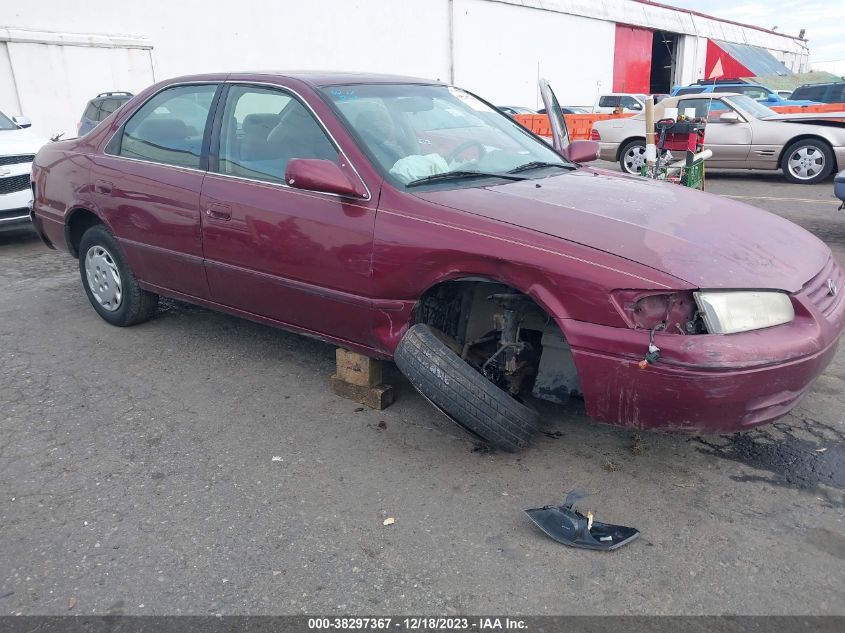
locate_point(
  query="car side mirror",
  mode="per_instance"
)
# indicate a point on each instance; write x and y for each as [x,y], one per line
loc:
[636,106]
[316,174]
[729,117]
[582,151]
[772,99]
[22,121]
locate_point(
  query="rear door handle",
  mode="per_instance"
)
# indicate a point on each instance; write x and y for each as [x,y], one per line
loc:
[219,211]
[103,186]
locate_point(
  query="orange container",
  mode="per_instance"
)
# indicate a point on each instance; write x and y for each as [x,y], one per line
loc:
[579,125]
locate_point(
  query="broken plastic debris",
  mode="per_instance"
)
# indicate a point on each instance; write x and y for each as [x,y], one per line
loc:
[567,525]
[276,458]
[821,450]
[389,521]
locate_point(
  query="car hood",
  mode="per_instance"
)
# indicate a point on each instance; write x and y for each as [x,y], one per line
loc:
[700,238]
[21,141]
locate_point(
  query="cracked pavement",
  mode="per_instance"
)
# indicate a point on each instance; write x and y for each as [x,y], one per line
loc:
[137,476]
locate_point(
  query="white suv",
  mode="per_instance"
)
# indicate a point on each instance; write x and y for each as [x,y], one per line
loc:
[17,149]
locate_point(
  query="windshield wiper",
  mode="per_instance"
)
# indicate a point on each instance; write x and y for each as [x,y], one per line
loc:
[457,175]
[536,164]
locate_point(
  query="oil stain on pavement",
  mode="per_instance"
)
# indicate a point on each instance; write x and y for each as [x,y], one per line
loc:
[805,454]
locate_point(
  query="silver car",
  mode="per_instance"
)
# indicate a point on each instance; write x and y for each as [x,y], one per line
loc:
[742,134]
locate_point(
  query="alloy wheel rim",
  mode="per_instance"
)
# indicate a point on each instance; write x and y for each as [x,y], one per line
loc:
[103,278]
[806,162]
[635,159]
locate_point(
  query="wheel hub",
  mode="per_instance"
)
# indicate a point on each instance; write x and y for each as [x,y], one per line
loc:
[103,278]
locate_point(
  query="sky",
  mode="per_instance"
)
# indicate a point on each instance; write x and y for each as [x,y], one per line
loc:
[824,20]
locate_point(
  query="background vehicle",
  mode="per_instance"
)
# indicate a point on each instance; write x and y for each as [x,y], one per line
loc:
[17,150]
[569,110]
[755,91]
[742,134]
[513,110]
[833,92]
[412,220]
[99,108]
[609,103]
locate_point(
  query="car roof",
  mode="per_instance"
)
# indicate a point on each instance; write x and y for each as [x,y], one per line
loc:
[319,78]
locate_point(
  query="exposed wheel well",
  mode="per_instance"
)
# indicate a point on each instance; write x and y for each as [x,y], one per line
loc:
[80,221]
[806,137]
[474,312]
[625,142]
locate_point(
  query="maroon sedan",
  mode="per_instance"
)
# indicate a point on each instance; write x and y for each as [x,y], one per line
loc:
[411,220]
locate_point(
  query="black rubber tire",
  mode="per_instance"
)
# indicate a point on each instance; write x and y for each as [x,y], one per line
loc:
[636,142]
[457,389]
[137,305]
[819,146]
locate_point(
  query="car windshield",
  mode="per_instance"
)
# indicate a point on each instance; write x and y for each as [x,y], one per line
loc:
[418,131]
[6,123]
[750,106]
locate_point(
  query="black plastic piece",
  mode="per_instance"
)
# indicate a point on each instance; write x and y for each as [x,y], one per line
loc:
[839,187]
[567,525]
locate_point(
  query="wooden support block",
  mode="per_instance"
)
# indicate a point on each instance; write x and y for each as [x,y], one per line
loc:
[358,369]
[377,397]
[358,378]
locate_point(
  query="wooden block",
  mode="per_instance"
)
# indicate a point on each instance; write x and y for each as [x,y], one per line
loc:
[358,369]
[375,397]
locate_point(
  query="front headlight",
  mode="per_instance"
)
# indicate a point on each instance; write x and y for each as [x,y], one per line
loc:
[730,311]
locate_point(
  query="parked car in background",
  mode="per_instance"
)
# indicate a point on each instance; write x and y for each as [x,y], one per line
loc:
[833,92]
[757,92]
[409,219]
[18,146]
[741,133]
[99,108]
[569,110]
[610,103]
[514,110]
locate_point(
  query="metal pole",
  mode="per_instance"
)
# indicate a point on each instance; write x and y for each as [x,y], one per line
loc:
[650,148]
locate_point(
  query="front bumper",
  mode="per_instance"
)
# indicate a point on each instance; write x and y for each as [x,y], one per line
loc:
[706,383]
[14,210]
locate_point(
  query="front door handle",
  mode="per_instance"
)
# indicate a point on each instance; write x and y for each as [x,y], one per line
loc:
[219,212]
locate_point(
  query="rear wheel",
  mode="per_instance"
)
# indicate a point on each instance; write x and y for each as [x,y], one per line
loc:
[632,156]
[807,161]
[110,285]
[429,360]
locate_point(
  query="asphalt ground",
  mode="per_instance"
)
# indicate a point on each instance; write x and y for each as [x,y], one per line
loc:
[199,464]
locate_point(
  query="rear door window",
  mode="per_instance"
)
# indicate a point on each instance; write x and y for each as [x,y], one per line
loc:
[811,93]
[91,111]
[170,127]
[837,94]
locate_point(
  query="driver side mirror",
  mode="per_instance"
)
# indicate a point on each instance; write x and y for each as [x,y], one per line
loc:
[581,151]
[316,174]
[729,117]
[772,98]
[22,121]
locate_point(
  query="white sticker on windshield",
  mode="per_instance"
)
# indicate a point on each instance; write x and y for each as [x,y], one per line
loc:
[471,101]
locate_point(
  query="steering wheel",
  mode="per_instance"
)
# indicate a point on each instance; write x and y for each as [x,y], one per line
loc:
[460,149]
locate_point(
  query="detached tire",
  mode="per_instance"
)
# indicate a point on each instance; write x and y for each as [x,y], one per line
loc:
[109,283]
[465,395]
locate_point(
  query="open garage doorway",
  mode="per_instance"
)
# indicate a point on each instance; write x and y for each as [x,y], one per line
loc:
[663,60]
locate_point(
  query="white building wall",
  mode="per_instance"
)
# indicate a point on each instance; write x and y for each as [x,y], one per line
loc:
[501,50]
[496,48]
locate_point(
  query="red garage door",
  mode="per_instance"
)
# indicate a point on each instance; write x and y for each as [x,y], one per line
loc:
[632,59]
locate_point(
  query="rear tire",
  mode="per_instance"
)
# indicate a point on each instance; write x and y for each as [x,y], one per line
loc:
[807,162]
[632,156]
[458,390]
[109,283]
